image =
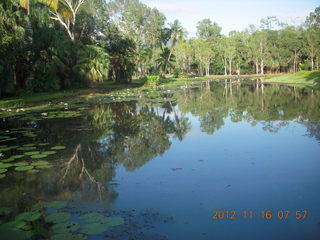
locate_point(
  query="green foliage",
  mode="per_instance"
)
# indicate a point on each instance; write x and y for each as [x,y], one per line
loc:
[152,80]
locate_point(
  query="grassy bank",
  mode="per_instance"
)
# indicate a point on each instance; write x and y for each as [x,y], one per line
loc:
[35,98]
[302,77]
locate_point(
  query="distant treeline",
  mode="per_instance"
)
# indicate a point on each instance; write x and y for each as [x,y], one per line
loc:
[48,45]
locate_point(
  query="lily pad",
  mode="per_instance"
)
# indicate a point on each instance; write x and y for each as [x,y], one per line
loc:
[58,217]
[33,171]
[3,170]
[49,152]
[112,221]
[5,211]
[21,164]
[7,160]
[66,227]
[23,168]
[5,165]
[39,156]
[94,228]
[29,145]
[2,176]
[40,163]
[14,224]
[67,236]
[58,147]
[28,216]
[31,153]
[91,217]
[26,148]
[55,204]
[44,166]
[17,156]
[43,144]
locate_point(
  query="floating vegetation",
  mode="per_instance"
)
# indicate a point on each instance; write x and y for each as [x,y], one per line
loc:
[94,228]
[33,171]
[40,163]
[58,217]
[26,148]
[91,217]
[3,170]
[58,147]
[17,156]
[24,168]
[21,164]
[5,165]
[44,166]
[28,216]
[31,153]
[8,160]
[43,144]
[29,145]
[2,176]
[55,204]
[66,227]
[39,156]
[49,152]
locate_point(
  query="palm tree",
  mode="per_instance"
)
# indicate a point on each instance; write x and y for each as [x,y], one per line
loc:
[165,60]
[177,33]
[63,11]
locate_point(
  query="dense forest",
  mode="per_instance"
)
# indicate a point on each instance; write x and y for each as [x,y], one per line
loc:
[48,45]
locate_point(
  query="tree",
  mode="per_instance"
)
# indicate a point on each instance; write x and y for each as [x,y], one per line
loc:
[203,54]
[208,30]
[166,60]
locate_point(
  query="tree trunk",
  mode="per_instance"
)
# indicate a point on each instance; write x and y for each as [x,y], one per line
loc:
[257,67]
[230,67]
[262,67]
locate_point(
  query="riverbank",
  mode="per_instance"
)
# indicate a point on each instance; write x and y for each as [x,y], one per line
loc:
[113,89]
[302,77]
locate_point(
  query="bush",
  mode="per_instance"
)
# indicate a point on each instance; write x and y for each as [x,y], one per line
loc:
[152,80]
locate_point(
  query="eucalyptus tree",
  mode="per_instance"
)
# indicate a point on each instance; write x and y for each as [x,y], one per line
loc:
[208,30]
[184,56]
[63,11]
[203,54]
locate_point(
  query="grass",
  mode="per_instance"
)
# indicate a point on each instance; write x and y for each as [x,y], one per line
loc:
[34,98]
[302,77]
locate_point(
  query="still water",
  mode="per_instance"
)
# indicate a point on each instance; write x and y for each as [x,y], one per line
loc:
[165,166]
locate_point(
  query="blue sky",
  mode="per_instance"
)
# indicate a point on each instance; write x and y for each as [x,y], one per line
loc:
[233,14]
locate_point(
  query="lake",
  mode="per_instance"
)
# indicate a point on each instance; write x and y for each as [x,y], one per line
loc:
[216,160]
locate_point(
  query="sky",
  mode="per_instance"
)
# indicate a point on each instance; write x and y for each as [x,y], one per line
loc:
[232,14]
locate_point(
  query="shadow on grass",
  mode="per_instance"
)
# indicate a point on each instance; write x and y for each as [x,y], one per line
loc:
[314,76]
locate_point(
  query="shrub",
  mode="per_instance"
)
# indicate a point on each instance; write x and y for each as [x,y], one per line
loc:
[152,80]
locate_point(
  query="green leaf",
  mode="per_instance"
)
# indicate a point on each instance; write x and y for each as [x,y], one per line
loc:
[7,233]
[5,211]
[31,153]
[55,204]
[39,156]
[5,165]
[40,163]
[58,217]
[66,227]
[58,147]
[23,168]
[67,236]
[91,217]
[3,170]
[94,228]
[28,216]
[21,164]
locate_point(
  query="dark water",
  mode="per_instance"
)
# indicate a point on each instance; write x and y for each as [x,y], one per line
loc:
[165,167]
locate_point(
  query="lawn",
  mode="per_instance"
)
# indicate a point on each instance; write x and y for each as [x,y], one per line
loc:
[305,77]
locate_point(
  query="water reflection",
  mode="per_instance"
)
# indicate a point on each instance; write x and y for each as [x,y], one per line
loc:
[107,136]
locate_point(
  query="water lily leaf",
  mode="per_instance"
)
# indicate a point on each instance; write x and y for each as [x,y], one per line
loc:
[39,156]
[112,221]
[5,211]
[91,217]
[29,145]
[26,148]
[58,147]
[5,165]
[55,204]
[2,176]
[7,160]
[28,216]
[94,228]
[31,153]
[21,164]
[66,227]
[6,149]
[14,224]
[67,236]
[23,168]
[40,163]
[43,144]
[3,170]
[58,217]
[33,171]
[49,152]
[44,166]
